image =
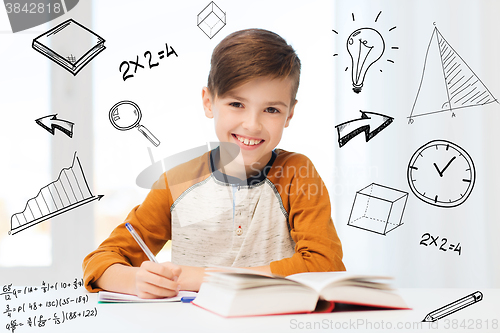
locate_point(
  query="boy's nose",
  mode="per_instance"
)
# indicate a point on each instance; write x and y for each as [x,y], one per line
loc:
[252,122]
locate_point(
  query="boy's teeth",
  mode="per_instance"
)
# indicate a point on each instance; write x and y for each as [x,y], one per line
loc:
[246,141]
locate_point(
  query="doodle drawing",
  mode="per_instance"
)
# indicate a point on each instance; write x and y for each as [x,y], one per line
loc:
[454,307]
[66,45]
[211,20]
[51,123]
[125,115]
[69,191]
[378,209]
[365,46]
[447,82]
[441,173]
[370,123]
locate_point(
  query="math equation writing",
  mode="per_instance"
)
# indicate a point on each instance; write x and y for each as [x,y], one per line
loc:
[441,245]
[44,305]
[127,66]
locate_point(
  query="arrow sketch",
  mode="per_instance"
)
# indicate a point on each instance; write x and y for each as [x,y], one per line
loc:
[369,120]
[51,123]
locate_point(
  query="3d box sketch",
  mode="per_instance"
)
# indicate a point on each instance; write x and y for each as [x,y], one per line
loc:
[378,209]
[211,19]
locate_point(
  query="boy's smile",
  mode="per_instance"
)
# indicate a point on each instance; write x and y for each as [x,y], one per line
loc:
[252,116]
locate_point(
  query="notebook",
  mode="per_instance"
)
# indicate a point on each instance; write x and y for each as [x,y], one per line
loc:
[111,297]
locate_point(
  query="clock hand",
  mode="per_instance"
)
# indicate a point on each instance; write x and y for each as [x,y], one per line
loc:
[440,173]
[447,165]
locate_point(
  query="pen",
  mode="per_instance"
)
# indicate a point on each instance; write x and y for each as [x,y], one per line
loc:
[453,307]
[141,243]
[187,299]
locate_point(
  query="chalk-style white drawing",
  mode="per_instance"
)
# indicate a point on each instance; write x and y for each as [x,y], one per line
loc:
[67,45]
[211,19]
[51,123]
[370,123]
[447,83]
[378,209]
[125,115]
[441,173]
[69,191]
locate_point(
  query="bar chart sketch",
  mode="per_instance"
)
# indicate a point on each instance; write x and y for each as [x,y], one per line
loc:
[447,83]
[69,191]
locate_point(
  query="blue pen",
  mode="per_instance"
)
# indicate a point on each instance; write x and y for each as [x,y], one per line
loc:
[141,243]
[187,299]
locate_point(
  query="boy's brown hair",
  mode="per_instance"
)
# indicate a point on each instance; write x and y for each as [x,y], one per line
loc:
[249,54]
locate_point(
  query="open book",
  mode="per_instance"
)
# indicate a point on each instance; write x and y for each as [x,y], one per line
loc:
[250,293]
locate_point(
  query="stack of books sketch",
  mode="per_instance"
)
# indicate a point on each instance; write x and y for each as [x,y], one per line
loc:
[69,191]
[68,45]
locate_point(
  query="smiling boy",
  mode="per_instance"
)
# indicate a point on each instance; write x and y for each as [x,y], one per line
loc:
[265,208]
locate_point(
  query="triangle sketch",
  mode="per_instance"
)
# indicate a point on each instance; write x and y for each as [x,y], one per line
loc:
[447,82]
[70,190]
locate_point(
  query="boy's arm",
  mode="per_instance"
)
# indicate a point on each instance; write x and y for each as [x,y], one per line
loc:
[317,245]
[151,220]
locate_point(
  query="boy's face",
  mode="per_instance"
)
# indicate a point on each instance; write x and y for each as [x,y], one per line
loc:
[252,116]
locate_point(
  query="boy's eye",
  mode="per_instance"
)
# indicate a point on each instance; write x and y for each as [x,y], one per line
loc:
[236,104]
[272,110]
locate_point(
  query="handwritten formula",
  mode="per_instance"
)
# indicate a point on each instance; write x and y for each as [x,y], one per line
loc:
[132,65]
[428,240]
[44,305]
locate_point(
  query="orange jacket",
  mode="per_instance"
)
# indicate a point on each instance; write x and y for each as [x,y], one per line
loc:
[283,215]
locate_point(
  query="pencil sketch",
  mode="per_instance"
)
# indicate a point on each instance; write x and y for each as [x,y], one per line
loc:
[365,47]
[70,190]
[441,174]
[125,115]
[26,14]
[447,83]
[454,307]
[378,209]
[211,19]
[51,123]
[370,123]
[66,45]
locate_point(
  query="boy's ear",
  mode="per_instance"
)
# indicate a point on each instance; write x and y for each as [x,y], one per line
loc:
[290,114]
[206,98]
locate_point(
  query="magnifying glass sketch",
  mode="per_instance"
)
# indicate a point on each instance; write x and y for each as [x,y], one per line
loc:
[125,115]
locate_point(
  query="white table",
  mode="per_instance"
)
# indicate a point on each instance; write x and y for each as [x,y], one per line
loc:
[483,316]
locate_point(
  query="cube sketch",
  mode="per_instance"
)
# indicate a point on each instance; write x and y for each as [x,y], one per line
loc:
[378,209]
[211,19]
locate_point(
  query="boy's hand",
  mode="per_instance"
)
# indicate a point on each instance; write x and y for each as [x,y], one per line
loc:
[191,277]
[154,280]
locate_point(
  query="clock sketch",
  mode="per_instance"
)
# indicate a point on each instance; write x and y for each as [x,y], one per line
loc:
[441,173]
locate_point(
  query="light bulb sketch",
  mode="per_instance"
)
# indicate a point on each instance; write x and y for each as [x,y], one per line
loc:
[365,46]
